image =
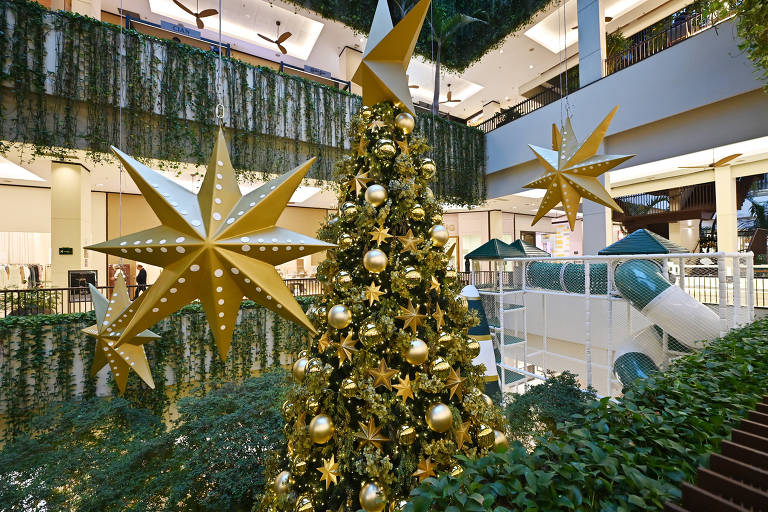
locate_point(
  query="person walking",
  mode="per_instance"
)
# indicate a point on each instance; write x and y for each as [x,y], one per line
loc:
[141,281]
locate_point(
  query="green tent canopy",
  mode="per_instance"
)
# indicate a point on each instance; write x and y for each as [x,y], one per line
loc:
[494,249]
[643,241]
[529,250]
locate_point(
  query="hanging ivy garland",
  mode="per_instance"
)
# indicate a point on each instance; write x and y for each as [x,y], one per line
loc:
[61,81]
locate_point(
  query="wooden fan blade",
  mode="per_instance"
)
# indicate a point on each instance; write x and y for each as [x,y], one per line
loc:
[695,167]
[282,48]
[413,86]
[200,23]
[267,38]
[283,37]
[450,94]
[183,7]
[208,12]
[725,160]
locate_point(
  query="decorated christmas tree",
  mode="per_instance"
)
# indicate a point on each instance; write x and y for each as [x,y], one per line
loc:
[387,394]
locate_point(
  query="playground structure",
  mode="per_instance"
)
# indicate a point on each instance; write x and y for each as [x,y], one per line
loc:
[609,319]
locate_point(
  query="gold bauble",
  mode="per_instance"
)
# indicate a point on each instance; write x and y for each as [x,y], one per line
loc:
[348,388]
[304,504]
[450,272]
[445,338]
[439,235]
[412,276]
[349,210]
[428,167]
[288,410]
[372,497]
[370,333]
[304,354]
[473,347]
[440,368]
[417,212]
[488,400]
[406,435]
[437,218]
[343,278]
[300,369]
[339,316]
[366,112]
[428,192]
[385,148]
[456,470]
[314,365]
[282,483]
[346,240]
[321,429]
[405,122]
[313,405]
[375,261]
[500,442]
[376,195]
[485,436]
[298,466]
[439,417]
[417,353]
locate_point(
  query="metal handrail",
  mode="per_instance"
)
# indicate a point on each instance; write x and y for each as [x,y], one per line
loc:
[130,21]
[346,83]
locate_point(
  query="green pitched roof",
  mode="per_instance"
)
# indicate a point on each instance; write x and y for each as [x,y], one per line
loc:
[494,249]
[529,250]
[643,241]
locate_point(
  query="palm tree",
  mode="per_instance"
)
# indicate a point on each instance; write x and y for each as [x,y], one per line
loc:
[759,212]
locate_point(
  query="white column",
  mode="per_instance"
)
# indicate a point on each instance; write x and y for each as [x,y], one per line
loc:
[591,41]
[598,223]
[725,203]
[70,218]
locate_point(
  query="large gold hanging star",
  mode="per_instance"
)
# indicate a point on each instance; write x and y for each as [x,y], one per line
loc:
[358,182]
[373,292]
[387,55]
[346,349]
[371,435]
[382,375]
[461,435]
[404,388]
[216,246]
[411,317]
[572,171]
[455,383]
[124,355]
[380,234]
[330,472]
[323,343]
[409,241]
[439,317]
[425,469]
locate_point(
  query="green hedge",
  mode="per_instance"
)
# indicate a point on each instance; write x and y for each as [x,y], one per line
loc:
[630,455]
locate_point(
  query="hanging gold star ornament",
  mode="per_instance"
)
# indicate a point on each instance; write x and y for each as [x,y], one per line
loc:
[124,355]
[435,285]
[409,241]
[572,171]
[461,435]
[358,182]
[373,292]
[404,388]
[404,147]
[217,246]
[380,234]
[382,376]
[387,55]
[330,472]
[455,383]
[371,435]
[425,469]
[346,349]
[439,317]
[323,343]
[411,317]
[377,125]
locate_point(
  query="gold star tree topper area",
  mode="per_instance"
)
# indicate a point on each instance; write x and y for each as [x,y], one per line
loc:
[217,246]
[387,54]
[572,170]
[122,355]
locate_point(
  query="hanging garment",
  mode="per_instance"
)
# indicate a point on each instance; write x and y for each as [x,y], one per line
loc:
[3,277]
[14,276]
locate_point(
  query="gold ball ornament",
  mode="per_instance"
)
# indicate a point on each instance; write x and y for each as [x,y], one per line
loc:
[349,209]
[304,354]
[298,466]
[417,353]
[439,417]
[282,483]
[439,235]
[372,497]
[346,240]
[289,410]
[385,148]
[456,470]
[445,338]
[417,212]
[488,400]
[450,272]
[375,261]
[440,368]
[500,442]
[313,405]
[473,347]
[304,504]
[406,435]
[412,276]
[485,436]
[314,366]
[366,112]
[339,316]
[343,278]
[405,122]
[376,195]
[370,333]
[397,506]
[321,429]
[428,167]
[437,218]
[348,388]
[300,369]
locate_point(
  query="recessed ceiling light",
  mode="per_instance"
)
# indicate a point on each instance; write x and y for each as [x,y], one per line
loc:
[507,98]
[530,66]
[501,51]
[99,184]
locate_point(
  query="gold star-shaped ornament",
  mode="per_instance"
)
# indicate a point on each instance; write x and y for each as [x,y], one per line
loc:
[409,241]
[362,146]
[404,147]
[387,55]
[411,317]
[404,388]
[462,435]
[359,182]
[371,435]
[455,383]
[435,285]
[377,125]
[439,317]
[382,376]
[330,472]
[425,469]
[572,170]
[323,342]
[380,234]
[346,349]
[217,246]
[122,355]
[373,292]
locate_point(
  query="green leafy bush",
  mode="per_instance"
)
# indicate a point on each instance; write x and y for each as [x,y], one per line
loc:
[628,455]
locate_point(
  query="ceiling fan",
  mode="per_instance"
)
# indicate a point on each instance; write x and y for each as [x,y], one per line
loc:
[198,15]
[720,163]
[412,86]
[281,38]
[449,98]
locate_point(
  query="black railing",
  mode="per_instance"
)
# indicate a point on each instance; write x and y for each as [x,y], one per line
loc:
[691,198]
[523,108]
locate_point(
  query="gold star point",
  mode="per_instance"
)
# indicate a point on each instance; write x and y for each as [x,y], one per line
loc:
[380,234]
[435,285]
[455,383]
[359,182]
[377,125]
[373,292]
[362,146]
[411,317]
[324,342]
[404,388]
[461,435]
[371,435]
[425,469]
[346,349]
[382,375]
[404,147]
[439,317]
[409,241]
[329,471]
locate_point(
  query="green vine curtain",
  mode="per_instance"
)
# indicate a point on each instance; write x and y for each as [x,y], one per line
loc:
[61,76]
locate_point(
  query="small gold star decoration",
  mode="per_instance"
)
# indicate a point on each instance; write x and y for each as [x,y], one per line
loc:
[217,246]
[404,147]
[425,469]
[377,125]
[359,182]
[373,292]
[439,317]
[362,147]
[380,234]
[404,388]
[382,375]
[330,472]
[387,55]
[411,317]
[323,343]
[571,170]
[122,356]
[346,349]
[371,435]
[435,285]
[455,383]
[409,241]
[462,435]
